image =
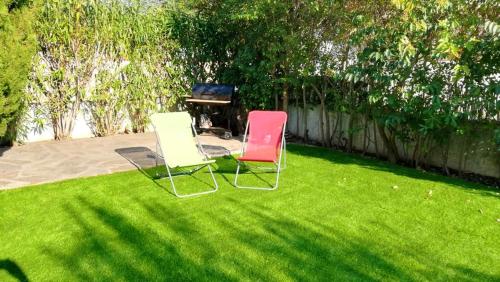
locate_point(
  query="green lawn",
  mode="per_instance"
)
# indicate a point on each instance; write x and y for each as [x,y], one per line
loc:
[335,217]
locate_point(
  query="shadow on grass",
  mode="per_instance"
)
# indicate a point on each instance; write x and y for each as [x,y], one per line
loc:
[147,162]
[13,269]
[144,159]
[350,159]
[136,252]
[168,243]
[153,167]
[228,165]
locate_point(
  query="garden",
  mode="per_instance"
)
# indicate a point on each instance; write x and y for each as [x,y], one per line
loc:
[390,140]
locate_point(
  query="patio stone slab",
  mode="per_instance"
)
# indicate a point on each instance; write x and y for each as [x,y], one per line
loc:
[49,161]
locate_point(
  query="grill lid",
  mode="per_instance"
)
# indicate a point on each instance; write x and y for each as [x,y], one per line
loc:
[212,91]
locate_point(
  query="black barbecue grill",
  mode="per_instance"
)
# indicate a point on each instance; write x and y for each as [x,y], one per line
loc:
[219,103]
[218,93]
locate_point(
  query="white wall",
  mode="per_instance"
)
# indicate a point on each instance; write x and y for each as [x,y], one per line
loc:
[81,129]
[481,157]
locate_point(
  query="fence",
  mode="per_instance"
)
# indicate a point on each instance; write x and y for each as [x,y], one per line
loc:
[477,155]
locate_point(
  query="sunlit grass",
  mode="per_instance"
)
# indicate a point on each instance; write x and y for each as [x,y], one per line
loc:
[334,217]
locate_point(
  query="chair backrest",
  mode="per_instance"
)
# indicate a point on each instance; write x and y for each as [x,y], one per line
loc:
[176,138]
[265,131]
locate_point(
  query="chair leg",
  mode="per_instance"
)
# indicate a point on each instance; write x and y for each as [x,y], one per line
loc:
[278,170]
[274,187]
[284,155]
[170,176]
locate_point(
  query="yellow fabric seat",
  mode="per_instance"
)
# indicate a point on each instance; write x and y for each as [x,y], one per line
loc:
[178,143]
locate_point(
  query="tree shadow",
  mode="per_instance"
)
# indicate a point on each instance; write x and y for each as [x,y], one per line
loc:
[4,149]
[238,240]
[13,269]
[384,166]
[153,166]
[435,269]
[113,247]
[308,252]
[228,165]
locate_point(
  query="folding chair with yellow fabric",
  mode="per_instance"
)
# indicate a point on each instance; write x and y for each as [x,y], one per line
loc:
[179,146]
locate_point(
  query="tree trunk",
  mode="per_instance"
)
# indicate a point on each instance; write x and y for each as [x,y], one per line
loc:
[321,115]
[304,114]
[285,97]
[392,151]
[321,122]
[463,154]
[327,117]
[297,109]
[62,125]
[444,164]
[334,132]
[341,122]
[350,134]
[365,133]
[375,141]
[327,125]
[416,153]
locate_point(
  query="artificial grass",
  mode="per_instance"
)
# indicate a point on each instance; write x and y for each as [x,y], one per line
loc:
[334,217]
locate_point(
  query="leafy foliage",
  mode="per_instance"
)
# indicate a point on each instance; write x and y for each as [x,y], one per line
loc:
[17,46]
[422,72]
[109,56]
[66,61]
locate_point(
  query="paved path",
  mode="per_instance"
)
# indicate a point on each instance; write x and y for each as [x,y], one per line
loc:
[49,161]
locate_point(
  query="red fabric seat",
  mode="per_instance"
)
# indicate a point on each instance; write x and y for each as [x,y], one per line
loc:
[265,130]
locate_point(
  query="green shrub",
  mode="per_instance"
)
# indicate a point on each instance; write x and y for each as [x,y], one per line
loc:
[17,46]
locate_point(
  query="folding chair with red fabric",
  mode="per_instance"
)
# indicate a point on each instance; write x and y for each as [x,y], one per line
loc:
[264,142]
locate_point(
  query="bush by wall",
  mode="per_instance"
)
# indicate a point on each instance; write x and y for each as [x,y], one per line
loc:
[17,46]
[419,72]
[112,56]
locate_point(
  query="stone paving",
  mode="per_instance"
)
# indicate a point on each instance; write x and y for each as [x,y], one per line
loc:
[49,161]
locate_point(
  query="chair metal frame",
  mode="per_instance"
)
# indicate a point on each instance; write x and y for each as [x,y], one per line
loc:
[190,172]
[282,156]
